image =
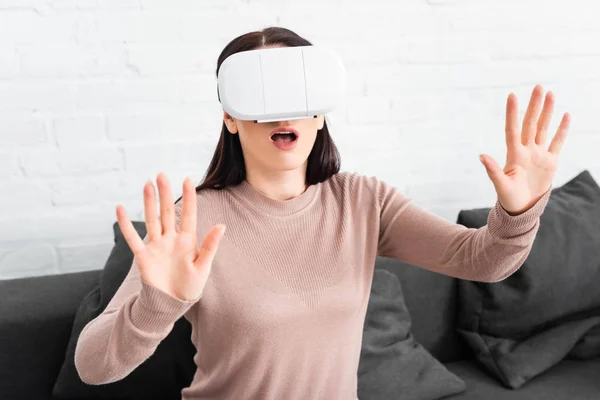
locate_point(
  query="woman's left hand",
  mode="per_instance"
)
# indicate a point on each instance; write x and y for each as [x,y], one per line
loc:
[530,167]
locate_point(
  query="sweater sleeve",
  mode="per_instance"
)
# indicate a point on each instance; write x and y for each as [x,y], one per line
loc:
[128,331]
[488,254]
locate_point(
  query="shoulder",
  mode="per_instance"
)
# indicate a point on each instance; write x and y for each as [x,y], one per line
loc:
[207,201]
[357,186]
[368,187]
[356,182]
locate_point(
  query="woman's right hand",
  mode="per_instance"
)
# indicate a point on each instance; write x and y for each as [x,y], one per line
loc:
[171,260]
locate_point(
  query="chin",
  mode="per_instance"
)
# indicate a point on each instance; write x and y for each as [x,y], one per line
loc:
[290,165]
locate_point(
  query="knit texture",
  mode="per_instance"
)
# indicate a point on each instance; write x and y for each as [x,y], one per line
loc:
[282,313]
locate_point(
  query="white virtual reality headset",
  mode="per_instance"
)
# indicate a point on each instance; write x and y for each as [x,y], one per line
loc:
[281,83]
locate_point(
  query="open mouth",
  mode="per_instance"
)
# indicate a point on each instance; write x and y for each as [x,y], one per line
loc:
[284,137]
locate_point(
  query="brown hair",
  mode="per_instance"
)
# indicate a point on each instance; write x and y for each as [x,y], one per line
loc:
[227,165]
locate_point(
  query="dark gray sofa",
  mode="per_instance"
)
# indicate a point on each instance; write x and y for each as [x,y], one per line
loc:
[36,314]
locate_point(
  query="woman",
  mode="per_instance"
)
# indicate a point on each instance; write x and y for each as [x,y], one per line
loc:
[277,304]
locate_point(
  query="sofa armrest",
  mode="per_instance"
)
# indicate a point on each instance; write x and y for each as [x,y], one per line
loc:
[36,316]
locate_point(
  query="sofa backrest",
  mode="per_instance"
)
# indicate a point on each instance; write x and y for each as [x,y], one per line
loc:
[431,299]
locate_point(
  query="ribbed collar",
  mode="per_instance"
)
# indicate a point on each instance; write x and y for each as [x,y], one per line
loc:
[260,202]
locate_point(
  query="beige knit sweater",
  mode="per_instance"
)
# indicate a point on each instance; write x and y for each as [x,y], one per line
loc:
[282,313]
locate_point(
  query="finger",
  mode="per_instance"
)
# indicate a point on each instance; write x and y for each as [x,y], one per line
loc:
[493,169]
[153,229]
[531,116]
[546,117]
[188,219]
[167,208]
[561,135]
[210,244]
[512,122]
[131,236]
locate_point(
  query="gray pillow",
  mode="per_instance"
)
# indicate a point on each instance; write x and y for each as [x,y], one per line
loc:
[392,364]
[549,309]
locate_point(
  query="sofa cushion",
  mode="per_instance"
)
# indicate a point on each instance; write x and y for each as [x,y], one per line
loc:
[36,313]
[569,379]
[431,299]
[392,363]
[549,309]
[168,370]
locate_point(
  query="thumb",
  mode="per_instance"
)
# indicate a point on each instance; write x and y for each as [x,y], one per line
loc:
[492,168]
[210,245]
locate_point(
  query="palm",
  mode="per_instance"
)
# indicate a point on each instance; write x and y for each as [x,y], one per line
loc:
[530,166]
[168,263]
[168,257]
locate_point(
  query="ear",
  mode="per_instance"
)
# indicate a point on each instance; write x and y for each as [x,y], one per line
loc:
[230,122]
[320,121]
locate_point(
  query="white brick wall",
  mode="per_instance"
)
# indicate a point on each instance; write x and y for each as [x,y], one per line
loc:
[96,97]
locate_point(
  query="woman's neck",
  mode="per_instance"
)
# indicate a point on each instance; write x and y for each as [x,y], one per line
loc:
[279,185]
